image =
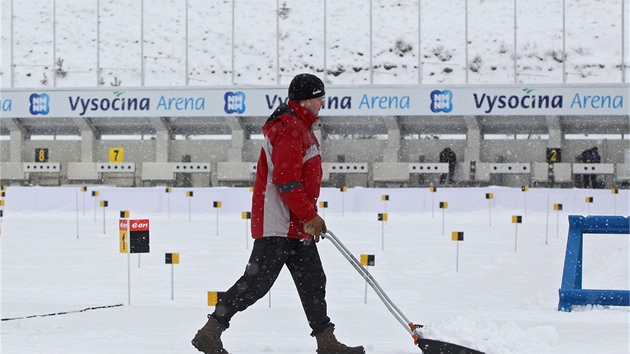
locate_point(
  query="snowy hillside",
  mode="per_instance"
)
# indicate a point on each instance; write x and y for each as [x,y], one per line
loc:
[340,45]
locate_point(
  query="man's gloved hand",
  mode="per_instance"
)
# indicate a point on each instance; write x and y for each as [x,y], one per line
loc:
[315,227]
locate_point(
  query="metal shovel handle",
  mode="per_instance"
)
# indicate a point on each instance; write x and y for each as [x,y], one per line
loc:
[370,280]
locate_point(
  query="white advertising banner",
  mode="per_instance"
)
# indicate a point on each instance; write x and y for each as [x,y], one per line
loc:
[506,100]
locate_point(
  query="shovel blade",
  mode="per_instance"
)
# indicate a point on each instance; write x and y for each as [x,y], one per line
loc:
[432,346]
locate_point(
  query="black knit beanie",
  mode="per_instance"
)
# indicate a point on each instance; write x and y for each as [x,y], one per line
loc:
[306,86]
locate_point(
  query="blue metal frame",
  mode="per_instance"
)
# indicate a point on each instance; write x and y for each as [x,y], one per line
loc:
[571,292]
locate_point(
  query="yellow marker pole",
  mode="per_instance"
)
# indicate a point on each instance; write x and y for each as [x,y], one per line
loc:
[104,206]
[457,236]
[168,191]
[323,205]
[172,259]
[217,205]
[443,206]
[383,218]
[123,229]
[246,215]
[214,297]
[589,201]
[490,196]
[385,198]
[94,194]
[615,191]
[2,195]
[432,190]
[516,219]
[343,189]
[190,195]
[83,190]
[367,260]
[557,207]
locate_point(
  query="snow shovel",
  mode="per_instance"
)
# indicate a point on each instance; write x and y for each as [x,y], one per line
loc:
[428,346]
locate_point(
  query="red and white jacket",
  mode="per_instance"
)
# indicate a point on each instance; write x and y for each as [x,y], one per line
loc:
[288,175]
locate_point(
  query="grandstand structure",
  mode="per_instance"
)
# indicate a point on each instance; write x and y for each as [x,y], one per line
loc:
[376,135]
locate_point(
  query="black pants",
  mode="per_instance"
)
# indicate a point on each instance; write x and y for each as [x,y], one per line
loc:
[268,256]
[451,173]
[589,181]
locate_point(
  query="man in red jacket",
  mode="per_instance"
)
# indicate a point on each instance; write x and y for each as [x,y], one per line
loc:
[285,223]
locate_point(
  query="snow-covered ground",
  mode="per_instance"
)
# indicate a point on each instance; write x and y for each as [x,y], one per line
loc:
[56,258]
[59,255]
[307,40]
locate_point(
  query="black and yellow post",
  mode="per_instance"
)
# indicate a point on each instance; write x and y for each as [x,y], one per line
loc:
[457,236]
[189,194]
[343,190]
[217,205]
[83,190]
[104,205]
[172,258]
[490,196]
[246,215]
[367,260]
[214,297]
[525,189]
[432,190]
[323,205]
[385,198]
[2,194]
[443,206]
[95,195]
[168,191]
[383,218]
[516,219]
[589,201]
[123,237]
[615,191]
[558,209]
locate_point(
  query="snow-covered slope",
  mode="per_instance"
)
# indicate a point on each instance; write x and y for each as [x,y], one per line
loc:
[341,44]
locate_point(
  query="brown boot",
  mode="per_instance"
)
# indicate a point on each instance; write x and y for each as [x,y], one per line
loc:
[327,343]
[208,338]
